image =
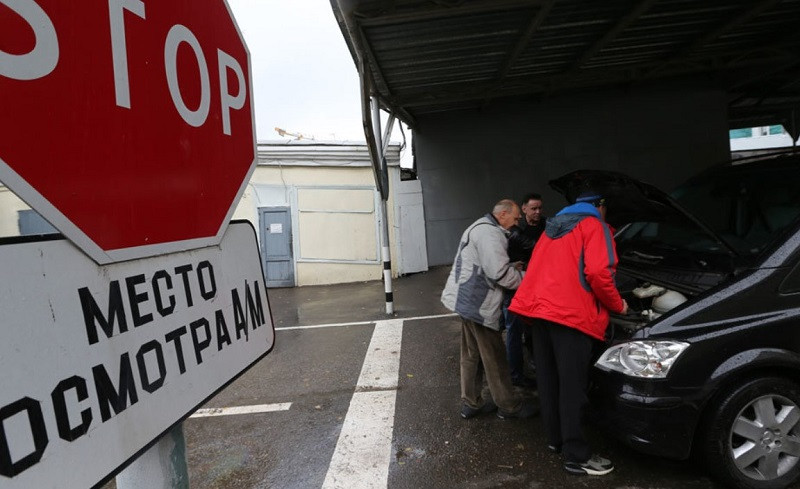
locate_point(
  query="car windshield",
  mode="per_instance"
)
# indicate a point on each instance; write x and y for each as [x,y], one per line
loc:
[746,207]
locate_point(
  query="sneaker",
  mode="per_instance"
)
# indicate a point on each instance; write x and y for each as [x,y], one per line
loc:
[596,465]
[470,412]
[524,382]
[527,410]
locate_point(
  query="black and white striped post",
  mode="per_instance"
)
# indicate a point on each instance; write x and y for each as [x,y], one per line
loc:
[371,119]
[387,264]
[384,217]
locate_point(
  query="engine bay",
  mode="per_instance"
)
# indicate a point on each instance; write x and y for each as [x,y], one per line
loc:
[647,302]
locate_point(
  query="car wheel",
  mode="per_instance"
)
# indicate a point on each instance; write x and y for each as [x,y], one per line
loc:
[753,439]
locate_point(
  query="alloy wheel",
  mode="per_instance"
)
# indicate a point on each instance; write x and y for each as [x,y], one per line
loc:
[765,437]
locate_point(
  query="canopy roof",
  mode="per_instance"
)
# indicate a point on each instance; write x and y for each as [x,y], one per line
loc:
[428,56]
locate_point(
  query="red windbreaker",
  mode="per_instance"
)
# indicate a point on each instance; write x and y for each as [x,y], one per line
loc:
[570,277]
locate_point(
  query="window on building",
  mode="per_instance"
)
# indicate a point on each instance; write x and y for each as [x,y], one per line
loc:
[746,132]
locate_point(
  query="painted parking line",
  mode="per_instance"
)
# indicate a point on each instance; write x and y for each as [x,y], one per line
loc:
[363,452]
[379,371]
[254,409]
[357,323]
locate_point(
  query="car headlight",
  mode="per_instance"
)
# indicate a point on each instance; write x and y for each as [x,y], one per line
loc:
[644,359]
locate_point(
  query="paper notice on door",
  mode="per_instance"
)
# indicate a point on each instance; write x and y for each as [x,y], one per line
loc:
[276,228]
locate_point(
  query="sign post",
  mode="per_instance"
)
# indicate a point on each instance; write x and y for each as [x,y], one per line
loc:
[163,466]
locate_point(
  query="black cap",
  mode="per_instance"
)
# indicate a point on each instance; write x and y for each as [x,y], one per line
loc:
[590,197]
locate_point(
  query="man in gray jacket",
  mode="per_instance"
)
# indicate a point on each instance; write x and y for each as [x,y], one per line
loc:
[474,291]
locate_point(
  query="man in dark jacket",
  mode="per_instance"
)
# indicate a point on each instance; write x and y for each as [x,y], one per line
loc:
[568,293]
[524,234]
[522,237]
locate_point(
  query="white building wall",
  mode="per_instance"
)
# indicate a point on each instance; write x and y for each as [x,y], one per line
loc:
[330,190]
[334,205]
[10,205]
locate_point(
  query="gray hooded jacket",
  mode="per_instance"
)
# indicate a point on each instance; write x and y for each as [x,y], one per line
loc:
[481,270]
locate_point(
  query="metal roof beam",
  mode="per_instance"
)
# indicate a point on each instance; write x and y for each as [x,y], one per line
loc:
[738,112]
[547,85]
[372,62]
[612,33]
[359,47]
[369,129]
[382,88]
[525,38]
[432,13]
[682,54]
[789,70]
[519,47]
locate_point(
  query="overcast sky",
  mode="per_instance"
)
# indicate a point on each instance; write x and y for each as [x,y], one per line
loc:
[304,79]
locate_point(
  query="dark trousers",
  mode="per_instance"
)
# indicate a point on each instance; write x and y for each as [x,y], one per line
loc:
[563,355]
[515,327]
[483,353]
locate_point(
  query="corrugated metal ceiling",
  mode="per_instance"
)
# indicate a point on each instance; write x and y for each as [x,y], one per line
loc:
[440,55]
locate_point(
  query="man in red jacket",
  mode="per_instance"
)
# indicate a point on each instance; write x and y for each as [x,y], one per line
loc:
[567,294]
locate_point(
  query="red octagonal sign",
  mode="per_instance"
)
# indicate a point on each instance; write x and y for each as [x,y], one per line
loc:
[128,124]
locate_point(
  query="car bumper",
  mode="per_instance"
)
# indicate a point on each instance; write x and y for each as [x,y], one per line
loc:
[651,422]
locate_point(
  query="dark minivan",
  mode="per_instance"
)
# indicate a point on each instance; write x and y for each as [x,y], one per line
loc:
[707,361]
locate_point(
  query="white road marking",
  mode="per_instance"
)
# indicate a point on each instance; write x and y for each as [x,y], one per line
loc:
[226,411]
[336,325]
[333,325]
[363,451]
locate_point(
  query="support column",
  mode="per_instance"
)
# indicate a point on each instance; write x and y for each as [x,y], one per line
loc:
[162,466]
[384,176]
[387,261]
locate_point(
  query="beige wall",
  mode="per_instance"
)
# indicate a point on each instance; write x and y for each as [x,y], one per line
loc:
[337,224]
[289,176]
[305,175]
[335,227]
[335,273]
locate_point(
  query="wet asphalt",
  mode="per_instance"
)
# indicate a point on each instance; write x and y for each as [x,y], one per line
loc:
[432,447]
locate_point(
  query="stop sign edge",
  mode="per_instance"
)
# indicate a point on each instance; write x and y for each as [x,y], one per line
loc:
[48,211]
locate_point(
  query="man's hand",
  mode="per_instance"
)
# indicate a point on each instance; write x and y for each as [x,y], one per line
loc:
[624,307]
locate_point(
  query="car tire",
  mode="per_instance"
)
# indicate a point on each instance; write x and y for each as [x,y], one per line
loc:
[752,440]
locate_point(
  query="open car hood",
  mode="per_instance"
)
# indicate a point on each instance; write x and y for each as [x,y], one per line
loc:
[629,200]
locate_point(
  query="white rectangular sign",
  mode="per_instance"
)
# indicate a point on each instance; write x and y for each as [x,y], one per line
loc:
[98,361]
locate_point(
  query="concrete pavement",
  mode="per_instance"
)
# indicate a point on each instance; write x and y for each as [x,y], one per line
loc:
[409,434]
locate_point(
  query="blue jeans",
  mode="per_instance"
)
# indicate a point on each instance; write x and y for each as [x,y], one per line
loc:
[514,330]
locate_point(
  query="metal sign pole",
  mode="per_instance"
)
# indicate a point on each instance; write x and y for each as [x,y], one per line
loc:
[162,466]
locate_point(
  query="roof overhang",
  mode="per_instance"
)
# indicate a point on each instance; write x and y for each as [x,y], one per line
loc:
[429,56]
[341,154]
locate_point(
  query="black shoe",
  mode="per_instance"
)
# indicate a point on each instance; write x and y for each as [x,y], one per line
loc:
[524,382]
[554,448]
[527,410]
[470,412]
[596,465]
